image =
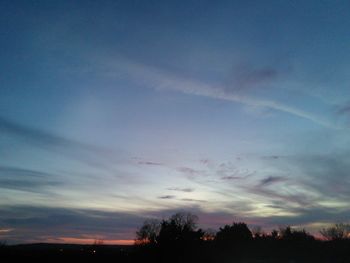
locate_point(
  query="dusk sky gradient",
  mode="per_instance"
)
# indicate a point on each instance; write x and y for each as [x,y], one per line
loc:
[112,112]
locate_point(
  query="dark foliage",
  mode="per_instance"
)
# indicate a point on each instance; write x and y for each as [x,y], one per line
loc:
[233,234]
[336,232]
[178,239]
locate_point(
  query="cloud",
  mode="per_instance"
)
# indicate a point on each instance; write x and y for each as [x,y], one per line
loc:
[271,157]
[167,197]
[343,113]
[23,224]
[290,198]
[186,190]
[313,181]
[231,177]
[5,230]
[246,77]
[193,200]
[305,216]
[344,110]
[41,138]
[26,180]
[9,171]
[272,180]
[325,174]
[149,163]
[205,161]
[84,152]
[189,172]
[43,224]
[38,224]
[229,171]
[164,80]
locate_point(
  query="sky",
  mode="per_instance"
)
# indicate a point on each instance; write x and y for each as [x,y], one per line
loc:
[113,112]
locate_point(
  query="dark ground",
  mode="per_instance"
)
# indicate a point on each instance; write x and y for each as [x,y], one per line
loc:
[207,252]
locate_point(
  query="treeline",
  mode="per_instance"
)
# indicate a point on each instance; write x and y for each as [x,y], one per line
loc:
[184,226]
[178,239]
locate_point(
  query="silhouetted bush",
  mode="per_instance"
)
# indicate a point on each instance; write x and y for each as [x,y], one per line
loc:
[233,234]
[336,232]
[290,234]
[148,232]
[179,229]
[178,239]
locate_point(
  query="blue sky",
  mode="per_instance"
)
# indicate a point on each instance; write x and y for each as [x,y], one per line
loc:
[116,111]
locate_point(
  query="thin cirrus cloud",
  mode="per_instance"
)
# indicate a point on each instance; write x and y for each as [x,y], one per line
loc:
[193,200]
[245,77]
[230,177]
[327,175]
[38,224]
[14,178]
[165,80]
[311,181]
[149,163]
[39,137]
[167,197]
[344,110]
[92,155]
[272,180]
[179,189]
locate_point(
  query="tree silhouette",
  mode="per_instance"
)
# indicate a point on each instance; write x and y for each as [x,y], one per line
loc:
[179,228]
[336,232]
[274,234]
[148,232]
[290,234]
[209,235]
[230,234]
[178,239]
[257,232]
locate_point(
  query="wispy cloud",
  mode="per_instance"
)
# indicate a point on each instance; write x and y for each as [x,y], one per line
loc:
[192,200]
[345,109]
[26,180]
[41,138]
[21,224]
[179,189]
[246,77]
[325,174]
[189,172]
[5,230]
[39,224]
[167,197]
[87,153]
[272,180]
[161,79]
[149,163]
[271,157]
[230,177]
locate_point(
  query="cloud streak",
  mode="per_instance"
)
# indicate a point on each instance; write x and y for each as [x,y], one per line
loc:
[272,180]
[179,189]
[167,197]
[41,138]
[83,152]
[51,224]
[149,163]
[40,224]
[160,79]
[246,77]
[26,180]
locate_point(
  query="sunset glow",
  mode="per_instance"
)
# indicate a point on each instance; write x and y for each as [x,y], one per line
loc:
[116,112]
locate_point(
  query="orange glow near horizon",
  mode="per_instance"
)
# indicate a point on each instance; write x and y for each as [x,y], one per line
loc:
[90,241]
